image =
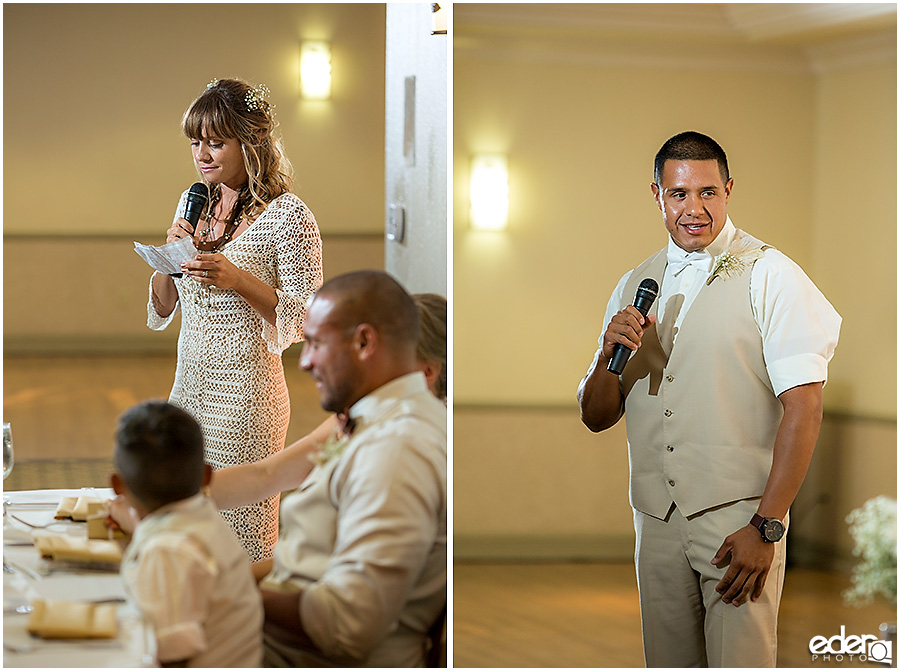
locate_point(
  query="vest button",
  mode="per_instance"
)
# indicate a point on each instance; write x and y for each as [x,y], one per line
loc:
[671,483]
[668,413]
[670,448]
[670,378]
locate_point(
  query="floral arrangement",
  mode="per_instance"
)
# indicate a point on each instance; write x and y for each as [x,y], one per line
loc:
[739,255]
[874,529]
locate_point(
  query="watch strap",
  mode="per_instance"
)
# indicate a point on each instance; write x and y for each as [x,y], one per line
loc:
[761,522]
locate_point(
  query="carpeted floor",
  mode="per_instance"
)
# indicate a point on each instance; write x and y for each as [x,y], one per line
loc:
[59,474]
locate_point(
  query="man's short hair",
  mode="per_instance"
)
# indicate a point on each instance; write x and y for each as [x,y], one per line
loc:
[159,453]
[690,146]
[374,297]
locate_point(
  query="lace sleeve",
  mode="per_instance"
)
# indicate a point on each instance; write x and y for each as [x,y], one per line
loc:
[298,252]
[154,321]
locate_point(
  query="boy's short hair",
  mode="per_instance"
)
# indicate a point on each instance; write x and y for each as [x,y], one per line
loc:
[159,453]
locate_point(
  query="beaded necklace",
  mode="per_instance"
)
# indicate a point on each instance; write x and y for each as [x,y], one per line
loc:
[204,241]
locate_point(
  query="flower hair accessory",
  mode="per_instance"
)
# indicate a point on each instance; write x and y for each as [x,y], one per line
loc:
[255,99]
[212,83]
[739,256]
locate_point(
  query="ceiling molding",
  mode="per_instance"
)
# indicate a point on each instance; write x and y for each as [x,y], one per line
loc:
[637,54]
[814,20]
[797,25]
[854,52]
[618,18]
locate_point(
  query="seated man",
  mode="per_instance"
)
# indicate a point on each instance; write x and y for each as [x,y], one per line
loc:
[359,571]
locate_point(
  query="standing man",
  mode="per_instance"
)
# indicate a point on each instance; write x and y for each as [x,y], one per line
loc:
[360,569]
[723,398]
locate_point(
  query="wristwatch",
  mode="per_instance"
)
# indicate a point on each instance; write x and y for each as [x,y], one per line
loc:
[770,528]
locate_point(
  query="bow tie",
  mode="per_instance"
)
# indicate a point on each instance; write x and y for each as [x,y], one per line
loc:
[346,424]
[679,260]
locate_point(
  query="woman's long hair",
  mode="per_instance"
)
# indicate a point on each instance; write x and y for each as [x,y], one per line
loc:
[232,109]
[433,336]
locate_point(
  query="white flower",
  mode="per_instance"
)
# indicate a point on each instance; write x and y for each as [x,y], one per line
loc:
[874,529]
[739,256]
[331,449]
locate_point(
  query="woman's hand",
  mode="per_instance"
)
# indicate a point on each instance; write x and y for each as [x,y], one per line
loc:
[180,229]
[213,269]
[217,271]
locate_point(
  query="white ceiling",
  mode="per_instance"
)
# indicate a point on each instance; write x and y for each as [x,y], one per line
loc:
[784,24]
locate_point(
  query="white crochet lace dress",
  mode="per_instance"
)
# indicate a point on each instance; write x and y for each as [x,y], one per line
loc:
[229,374]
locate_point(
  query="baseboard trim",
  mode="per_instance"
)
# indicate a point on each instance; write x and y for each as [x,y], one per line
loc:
[543,547]
[509,548]
[815,555]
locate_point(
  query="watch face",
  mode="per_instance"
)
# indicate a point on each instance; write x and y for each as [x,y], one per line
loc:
[773,530]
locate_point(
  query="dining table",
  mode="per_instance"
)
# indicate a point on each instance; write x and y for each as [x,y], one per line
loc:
[28,576]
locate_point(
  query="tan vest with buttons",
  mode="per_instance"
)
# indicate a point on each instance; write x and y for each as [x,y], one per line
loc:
[701,421]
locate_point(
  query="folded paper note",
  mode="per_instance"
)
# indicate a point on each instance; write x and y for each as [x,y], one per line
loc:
[81,550]
[71,619]
[167,258]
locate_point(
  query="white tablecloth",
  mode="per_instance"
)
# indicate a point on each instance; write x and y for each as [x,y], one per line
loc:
[36,577]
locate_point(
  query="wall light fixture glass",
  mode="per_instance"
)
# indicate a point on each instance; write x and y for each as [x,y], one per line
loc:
[315,70]
[489,192]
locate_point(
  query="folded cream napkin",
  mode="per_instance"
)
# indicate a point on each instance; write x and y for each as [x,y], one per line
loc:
[75,507]
[71,619]
[82,550]
[97,512]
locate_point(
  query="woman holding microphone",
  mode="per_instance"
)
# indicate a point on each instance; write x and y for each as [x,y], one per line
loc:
[243,297]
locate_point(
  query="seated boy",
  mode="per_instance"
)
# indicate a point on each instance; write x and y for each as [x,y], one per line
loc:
[184,568]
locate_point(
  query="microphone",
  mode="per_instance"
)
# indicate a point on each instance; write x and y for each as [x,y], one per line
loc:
[196,202]
[643,299]
[197,196]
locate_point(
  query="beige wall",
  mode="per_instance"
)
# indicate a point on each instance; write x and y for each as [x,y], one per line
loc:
[580,139]
[94,157]
[855,211]
[105,310]
[94,94]
[580,112]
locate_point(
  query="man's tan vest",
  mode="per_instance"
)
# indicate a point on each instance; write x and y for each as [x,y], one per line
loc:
[701,421]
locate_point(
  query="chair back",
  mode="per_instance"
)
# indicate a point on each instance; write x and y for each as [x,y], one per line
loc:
[436,655]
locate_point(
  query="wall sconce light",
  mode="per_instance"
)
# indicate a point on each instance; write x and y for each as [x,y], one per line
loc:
[489,192]
[438,19]
[315,70]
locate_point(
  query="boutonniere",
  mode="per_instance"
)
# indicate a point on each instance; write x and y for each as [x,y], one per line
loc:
[739,255]
[331,449]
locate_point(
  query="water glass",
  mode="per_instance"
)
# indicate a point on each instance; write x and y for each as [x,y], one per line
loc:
[8,458]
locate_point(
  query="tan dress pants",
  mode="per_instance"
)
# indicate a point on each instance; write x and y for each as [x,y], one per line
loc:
[685,623]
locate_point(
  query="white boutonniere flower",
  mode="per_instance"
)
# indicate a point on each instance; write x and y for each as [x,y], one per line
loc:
[331,449]
[739,256]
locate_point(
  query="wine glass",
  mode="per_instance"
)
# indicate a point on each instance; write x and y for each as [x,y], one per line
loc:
[8,459]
